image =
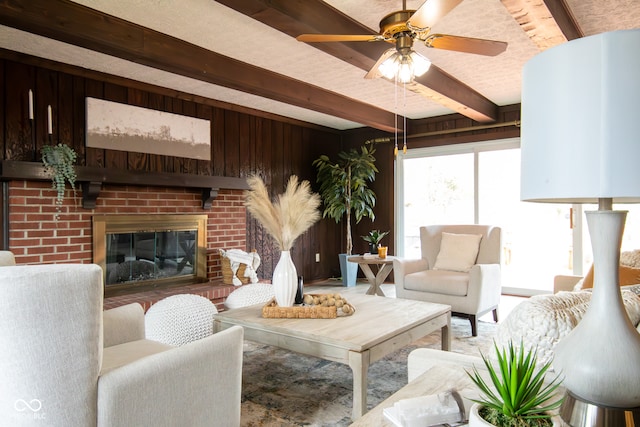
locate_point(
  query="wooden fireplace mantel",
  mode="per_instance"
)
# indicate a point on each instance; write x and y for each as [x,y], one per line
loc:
[90,179]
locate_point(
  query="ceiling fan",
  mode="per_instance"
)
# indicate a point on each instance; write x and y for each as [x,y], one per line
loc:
[403,27]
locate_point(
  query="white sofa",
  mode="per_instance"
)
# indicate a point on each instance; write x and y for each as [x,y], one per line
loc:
[66,363]
[543,320]
[470,293]
[540,321]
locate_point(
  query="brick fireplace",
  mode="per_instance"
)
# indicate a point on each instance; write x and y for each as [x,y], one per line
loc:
[36,238]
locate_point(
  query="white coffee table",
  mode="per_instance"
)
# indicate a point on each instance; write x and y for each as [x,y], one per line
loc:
[379,326]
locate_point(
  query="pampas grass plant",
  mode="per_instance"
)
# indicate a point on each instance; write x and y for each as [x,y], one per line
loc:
[290,215]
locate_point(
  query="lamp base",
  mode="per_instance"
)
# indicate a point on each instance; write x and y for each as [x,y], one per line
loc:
[578,413]
[600,358]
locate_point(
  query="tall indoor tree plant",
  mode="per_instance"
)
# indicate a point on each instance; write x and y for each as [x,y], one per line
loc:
[344,188]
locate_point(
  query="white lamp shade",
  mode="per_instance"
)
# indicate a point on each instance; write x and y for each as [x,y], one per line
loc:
[580,136]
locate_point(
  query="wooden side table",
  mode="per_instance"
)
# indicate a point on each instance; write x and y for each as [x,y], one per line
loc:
[385,266]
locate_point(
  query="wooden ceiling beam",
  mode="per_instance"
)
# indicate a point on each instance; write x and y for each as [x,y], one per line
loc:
[548,23]
[315,16]
[78,25]
[299,17]
[564,18]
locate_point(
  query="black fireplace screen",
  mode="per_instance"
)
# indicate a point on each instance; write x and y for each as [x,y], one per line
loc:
[150,250]
[150,255]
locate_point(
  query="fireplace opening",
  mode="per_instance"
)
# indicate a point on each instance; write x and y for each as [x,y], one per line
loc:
[138,252]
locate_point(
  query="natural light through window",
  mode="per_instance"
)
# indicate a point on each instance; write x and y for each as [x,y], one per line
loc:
[480,183]
[438,190]
[536,237]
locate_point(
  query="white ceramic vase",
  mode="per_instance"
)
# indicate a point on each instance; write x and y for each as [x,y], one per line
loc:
[285,280]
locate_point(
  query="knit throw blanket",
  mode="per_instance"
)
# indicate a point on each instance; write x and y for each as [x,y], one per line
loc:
[543,320]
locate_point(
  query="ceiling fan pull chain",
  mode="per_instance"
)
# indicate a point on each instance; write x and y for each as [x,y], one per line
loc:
[404,126]
[395,109]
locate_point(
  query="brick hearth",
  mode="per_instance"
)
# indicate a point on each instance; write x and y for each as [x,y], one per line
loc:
[216,292]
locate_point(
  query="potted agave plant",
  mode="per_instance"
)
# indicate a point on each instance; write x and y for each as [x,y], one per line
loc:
[520,397]
[374,238]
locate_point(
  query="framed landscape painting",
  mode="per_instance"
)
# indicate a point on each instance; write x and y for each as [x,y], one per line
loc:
[115,126]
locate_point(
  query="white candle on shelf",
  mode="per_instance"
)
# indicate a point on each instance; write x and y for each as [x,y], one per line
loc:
[30,104]
[49,122]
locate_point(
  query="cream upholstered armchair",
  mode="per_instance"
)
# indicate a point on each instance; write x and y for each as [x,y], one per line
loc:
[7,258]
[460,267]
[66,363]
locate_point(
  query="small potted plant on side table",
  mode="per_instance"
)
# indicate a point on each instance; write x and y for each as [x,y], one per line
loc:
[519,396]
[374,238]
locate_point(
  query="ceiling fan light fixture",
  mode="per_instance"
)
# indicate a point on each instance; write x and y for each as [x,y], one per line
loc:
[405,69]
[390,66]
[420,63]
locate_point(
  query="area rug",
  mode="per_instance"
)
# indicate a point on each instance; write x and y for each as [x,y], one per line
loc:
[282,388]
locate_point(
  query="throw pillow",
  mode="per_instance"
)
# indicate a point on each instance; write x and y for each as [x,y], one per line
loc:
[628,276]
[458,252]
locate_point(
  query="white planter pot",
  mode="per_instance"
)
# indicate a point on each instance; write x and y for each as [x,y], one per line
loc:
[475,420]
[285,280]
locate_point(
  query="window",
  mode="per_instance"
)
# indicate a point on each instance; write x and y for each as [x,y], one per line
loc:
[480,183]
[439,189]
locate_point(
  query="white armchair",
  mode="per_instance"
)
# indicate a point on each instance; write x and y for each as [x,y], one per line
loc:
[60,365]
[470,293]
[7,258]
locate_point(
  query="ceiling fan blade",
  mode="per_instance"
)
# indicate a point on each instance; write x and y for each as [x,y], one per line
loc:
[318,38]
[430,12]
[466,44]
[373,72]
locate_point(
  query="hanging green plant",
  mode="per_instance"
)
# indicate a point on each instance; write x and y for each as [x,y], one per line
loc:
[59,161]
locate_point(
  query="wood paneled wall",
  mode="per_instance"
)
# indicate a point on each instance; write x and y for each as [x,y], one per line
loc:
[241,144]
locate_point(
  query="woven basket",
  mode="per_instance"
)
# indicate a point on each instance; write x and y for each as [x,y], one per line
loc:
[227,273]
[273,311]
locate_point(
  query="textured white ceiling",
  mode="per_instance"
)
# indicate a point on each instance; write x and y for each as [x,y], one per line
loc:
[213,26]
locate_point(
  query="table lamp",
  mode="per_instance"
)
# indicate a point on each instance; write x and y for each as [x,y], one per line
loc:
[580,143]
